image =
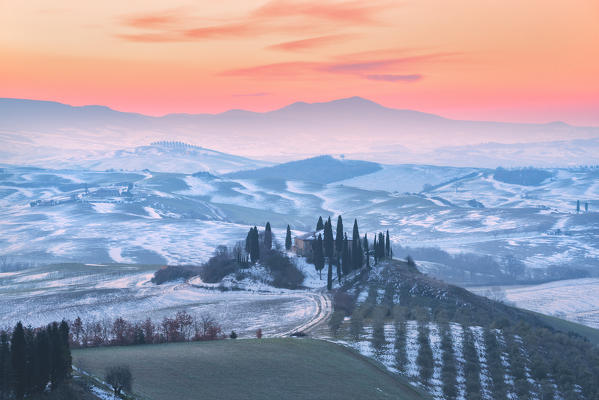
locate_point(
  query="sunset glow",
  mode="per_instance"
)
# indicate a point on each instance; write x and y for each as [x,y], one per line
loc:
[533,61]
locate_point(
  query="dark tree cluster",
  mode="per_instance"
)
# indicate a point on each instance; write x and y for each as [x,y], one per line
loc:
[182,327]
[252,244]
[32,360]
[382,247]
[347,255]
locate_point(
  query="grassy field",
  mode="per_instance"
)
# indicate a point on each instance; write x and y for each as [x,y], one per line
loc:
[249,369]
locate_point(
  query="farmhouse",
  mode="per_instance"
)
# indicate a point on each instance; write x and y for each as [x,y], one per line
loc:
[303,243]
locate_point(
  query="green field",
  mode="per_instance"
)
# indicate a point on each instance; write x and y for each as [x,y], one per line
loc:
[249,369]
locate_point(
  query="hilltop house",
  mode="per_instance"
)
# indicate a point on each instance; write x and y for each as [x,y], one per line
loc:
[303,243]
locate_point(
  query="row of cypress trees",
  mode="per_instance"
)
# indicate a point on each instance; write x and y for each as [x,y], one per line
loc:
[33,358]
[337,251]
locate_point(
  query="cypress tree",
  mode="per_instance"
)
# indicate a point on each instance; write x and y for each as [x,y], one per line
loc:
[381,243]
[328,241]
[376,252]
[254,245]
[5,366]
[248,241]
[33,370]
[357,255]
[365,248]
[67,361]
[318,255]
[339,237]
[18,354]
[577,206]
[319,224]
[267,236]
[346,257]
[257,243]
[330,276]
[387,246]
[288,239]
[42,349]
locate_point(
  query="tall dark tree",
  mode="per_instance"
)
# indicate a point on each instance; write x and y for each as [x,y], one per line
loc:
[42,351]
[318,255]
[18,354]
[319,224]
[387,246]
[356,251]
[329,250]
[252,245]
[5,366]
[577,206]
[381,244]
[339,237]
[267,237]
[248,241]
[288,239]
[346,261]
[67,360]
[375,250]
[330,276]
[327,240]
[366,250]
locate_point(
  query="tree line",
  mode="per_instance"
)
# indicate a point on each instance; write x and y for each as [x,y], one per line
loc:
[347,255]
[182,327]
[33,360]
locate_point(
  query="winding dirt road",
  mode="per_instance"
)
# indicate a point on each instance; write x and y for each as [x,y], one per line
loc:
[324,308]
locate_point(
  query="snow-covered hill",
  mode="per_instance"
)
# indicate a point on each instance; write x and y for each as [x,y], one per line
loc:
[155,217]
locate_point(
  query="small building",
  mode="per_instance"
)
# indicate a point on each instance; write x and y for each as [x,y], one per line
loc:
[303,243]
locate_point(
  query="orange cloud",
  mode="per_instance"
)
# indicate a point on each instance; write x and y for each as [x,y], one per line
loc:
[154,20]
[377,70]
[394,77]
[359,12]
[309,43]
[175,25]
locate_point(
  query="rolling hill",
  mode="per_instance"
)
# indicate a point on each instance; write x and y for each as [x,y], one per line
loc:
[249,369]
[321,169]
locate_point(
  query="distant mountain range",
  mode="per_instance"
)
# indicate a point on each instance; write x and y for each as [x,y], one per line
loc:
[36,131]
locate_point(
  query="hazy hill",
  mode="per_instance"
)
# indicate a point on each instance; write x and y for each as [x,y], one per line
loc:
[321,169]
[349,125]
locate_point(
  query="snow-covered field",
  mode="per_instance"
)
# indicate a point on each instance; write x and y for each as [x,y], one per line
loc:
[576,300]
[96,292]
[146,217]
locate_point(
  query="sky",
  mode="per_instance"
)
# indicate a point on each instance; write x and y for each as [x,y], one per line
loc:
[508,60]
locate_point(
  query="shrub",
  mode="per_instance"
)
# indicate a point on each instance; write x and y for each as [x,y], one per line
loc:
[119,378]
[284,272]
[172,273]
[217,267]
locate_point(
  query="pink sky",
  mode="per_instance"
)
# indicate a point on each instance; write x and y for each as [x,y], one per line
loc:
[511,60]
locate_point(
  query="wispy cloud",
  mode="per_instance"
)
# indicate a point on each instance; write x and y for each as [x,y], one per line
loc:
[388,70]
[275,17]
[309,43]
[357,12]
[394,77]
[257,94]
